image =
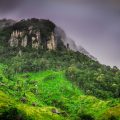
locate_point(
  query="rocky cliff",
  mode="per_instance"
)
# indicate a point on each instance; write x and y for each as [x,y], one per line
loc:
[39,33]
[34,33]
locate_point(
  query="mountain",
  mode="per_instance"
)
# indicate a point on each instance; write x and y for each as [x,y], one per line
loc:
[26,29]
[66,40]
[43,76]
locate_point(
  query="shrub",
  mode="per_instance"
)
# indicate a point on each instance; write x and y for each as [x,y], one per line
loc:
[14,114]
[84,116]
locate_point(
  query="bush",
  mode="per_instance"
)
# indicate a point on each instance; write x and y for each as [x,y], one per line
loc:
[14,114]
[84,116]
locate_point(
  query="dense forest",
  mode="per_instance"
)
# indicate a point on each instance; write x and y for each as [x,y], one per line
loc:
[61,84]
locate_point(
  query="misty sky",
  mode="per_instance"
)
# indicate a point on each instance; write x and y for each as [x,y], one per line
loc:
[93,24]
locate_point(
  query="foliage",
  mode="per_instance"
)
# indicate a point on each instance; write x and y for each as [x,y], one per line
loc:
[100,82]
[51,88]
[37,83]
[92,77]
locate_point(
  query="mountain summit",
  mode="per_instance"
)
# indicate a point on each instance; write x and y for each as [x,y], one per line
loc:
[37,34]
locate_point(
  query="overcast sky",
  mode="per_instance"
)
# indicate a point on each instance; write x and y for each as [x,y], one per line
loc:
[93,24]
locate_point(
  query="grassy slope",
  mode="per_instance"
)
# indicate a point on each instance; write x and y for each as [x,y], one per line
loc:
[50,88]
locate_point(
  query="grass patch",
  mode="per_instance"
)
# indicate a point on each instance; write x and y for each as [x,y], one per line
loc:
[35,94]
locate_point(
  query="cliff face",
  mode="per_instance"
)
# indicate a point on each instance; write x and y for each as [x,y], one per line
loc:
[23,39]
[51,43]
[33,33]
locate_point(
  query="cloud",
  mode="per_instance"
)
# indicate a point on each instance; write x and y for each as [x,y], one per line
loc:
[7,6]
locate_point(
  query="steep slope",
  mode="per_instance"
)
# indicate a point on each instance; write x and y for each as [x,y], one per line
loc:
[60,34]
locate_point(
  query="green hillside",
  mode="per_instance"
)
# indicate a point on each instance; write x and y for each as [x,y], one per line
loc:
[36,94]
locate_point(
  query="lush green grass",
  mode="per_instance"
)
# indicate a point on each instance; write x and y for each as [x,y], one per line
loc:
[8,106]
[51,88]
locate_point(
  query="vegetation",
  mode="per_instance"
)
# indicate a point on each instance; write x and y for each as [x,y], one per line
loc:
[55,85]
[101,82]
[92,77]
[42,89]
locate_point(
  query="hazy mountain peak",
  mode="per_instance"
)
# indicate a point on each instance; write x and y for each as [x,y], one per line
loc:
[6,22]
[66,40]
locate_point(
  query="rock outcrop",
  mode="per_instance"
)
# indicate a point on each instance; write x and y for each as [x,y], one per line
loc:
[34,33]
[22,38]
[51,43]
